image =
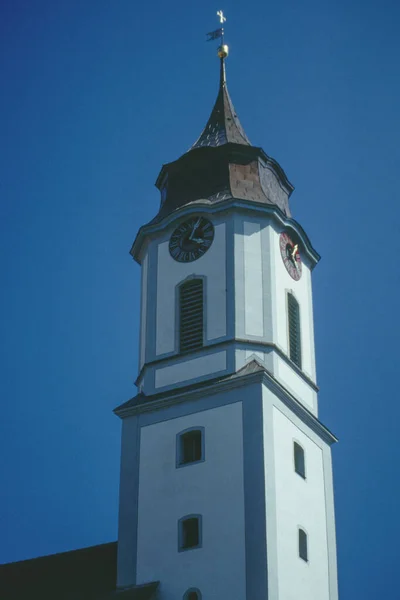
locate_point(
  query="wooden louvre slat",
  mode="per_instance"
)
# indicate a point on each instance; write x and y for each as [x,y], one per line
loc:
[191,315]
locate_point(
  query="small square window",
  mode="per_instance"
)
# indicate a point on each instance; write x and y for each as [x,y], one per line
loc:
[190,532]
[299,460]
[190,446]
[303,545]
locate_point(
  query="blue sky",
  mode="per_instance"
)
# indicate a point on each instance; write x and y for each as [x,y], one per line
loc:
[96,96]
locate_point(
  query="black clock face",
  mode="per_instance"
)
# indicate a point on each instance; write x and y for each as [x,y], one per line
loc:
[191,239]
[290,256]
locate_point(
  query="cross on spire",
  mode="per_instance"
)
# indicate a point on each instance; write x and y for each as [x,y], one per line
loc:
[221,16]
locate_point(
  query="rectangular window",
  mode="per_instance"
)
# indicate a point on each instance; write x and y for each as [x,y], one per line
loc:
[191,446]
[190,532]
[299,460]
[303,546]
[191,315]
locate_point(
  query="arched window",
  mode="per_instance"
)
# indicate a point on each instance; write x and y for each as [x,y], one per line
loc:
[294,330]
[191,315]
[303,547]
[190,446]
[299,460]
[192,594]
[189,532]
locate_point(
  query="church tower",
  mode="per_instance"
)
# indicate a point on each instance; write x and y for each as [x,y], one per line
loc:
[226,478]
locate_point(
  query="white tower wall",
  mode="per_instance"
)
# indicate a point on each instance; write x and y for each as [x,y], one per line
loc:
[251,500]
[246,313]
[211,488]
[293,503]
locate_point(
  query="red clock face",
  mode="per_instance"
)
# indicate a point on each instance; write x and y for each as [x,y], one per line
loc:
[290,256]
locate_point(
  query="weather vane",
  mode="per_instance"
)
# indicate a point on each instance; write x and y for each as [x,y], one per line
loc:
[218,34]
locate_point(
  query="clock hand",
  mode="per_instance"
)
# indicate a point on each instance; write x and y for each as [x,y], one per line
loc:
[293,254]
[195,226]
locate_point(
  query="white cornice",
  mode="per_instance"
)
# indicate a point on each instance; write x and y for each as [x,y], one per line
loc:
[220,207]
[261,376]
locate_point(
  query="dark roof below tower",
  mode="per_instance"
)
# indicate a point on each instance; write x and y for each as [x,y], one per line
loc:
[84,574]
[223,126]
[137,592]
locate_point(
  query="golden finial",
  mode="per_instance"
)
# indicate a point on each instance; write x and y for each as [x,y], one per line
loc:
[223,51]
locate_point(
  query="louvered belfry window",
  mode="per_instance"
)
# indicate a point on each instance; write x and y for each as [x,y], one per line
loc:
[191,315]
[294,330]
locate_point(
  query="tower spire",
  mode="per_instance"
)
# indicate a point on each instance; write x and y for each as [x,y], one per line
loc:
[223,126]
[222,73]
[222,163]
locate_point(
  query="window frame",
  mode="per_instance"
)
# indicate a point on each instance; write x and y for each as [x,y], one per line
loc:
[178,447]
[180,532]
[178,287]
[299,363]
[304,474]
[301,531]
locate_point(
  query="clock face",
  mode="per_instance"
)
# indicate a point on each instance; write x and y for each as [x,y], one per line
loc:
[191,239]
[290,256]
